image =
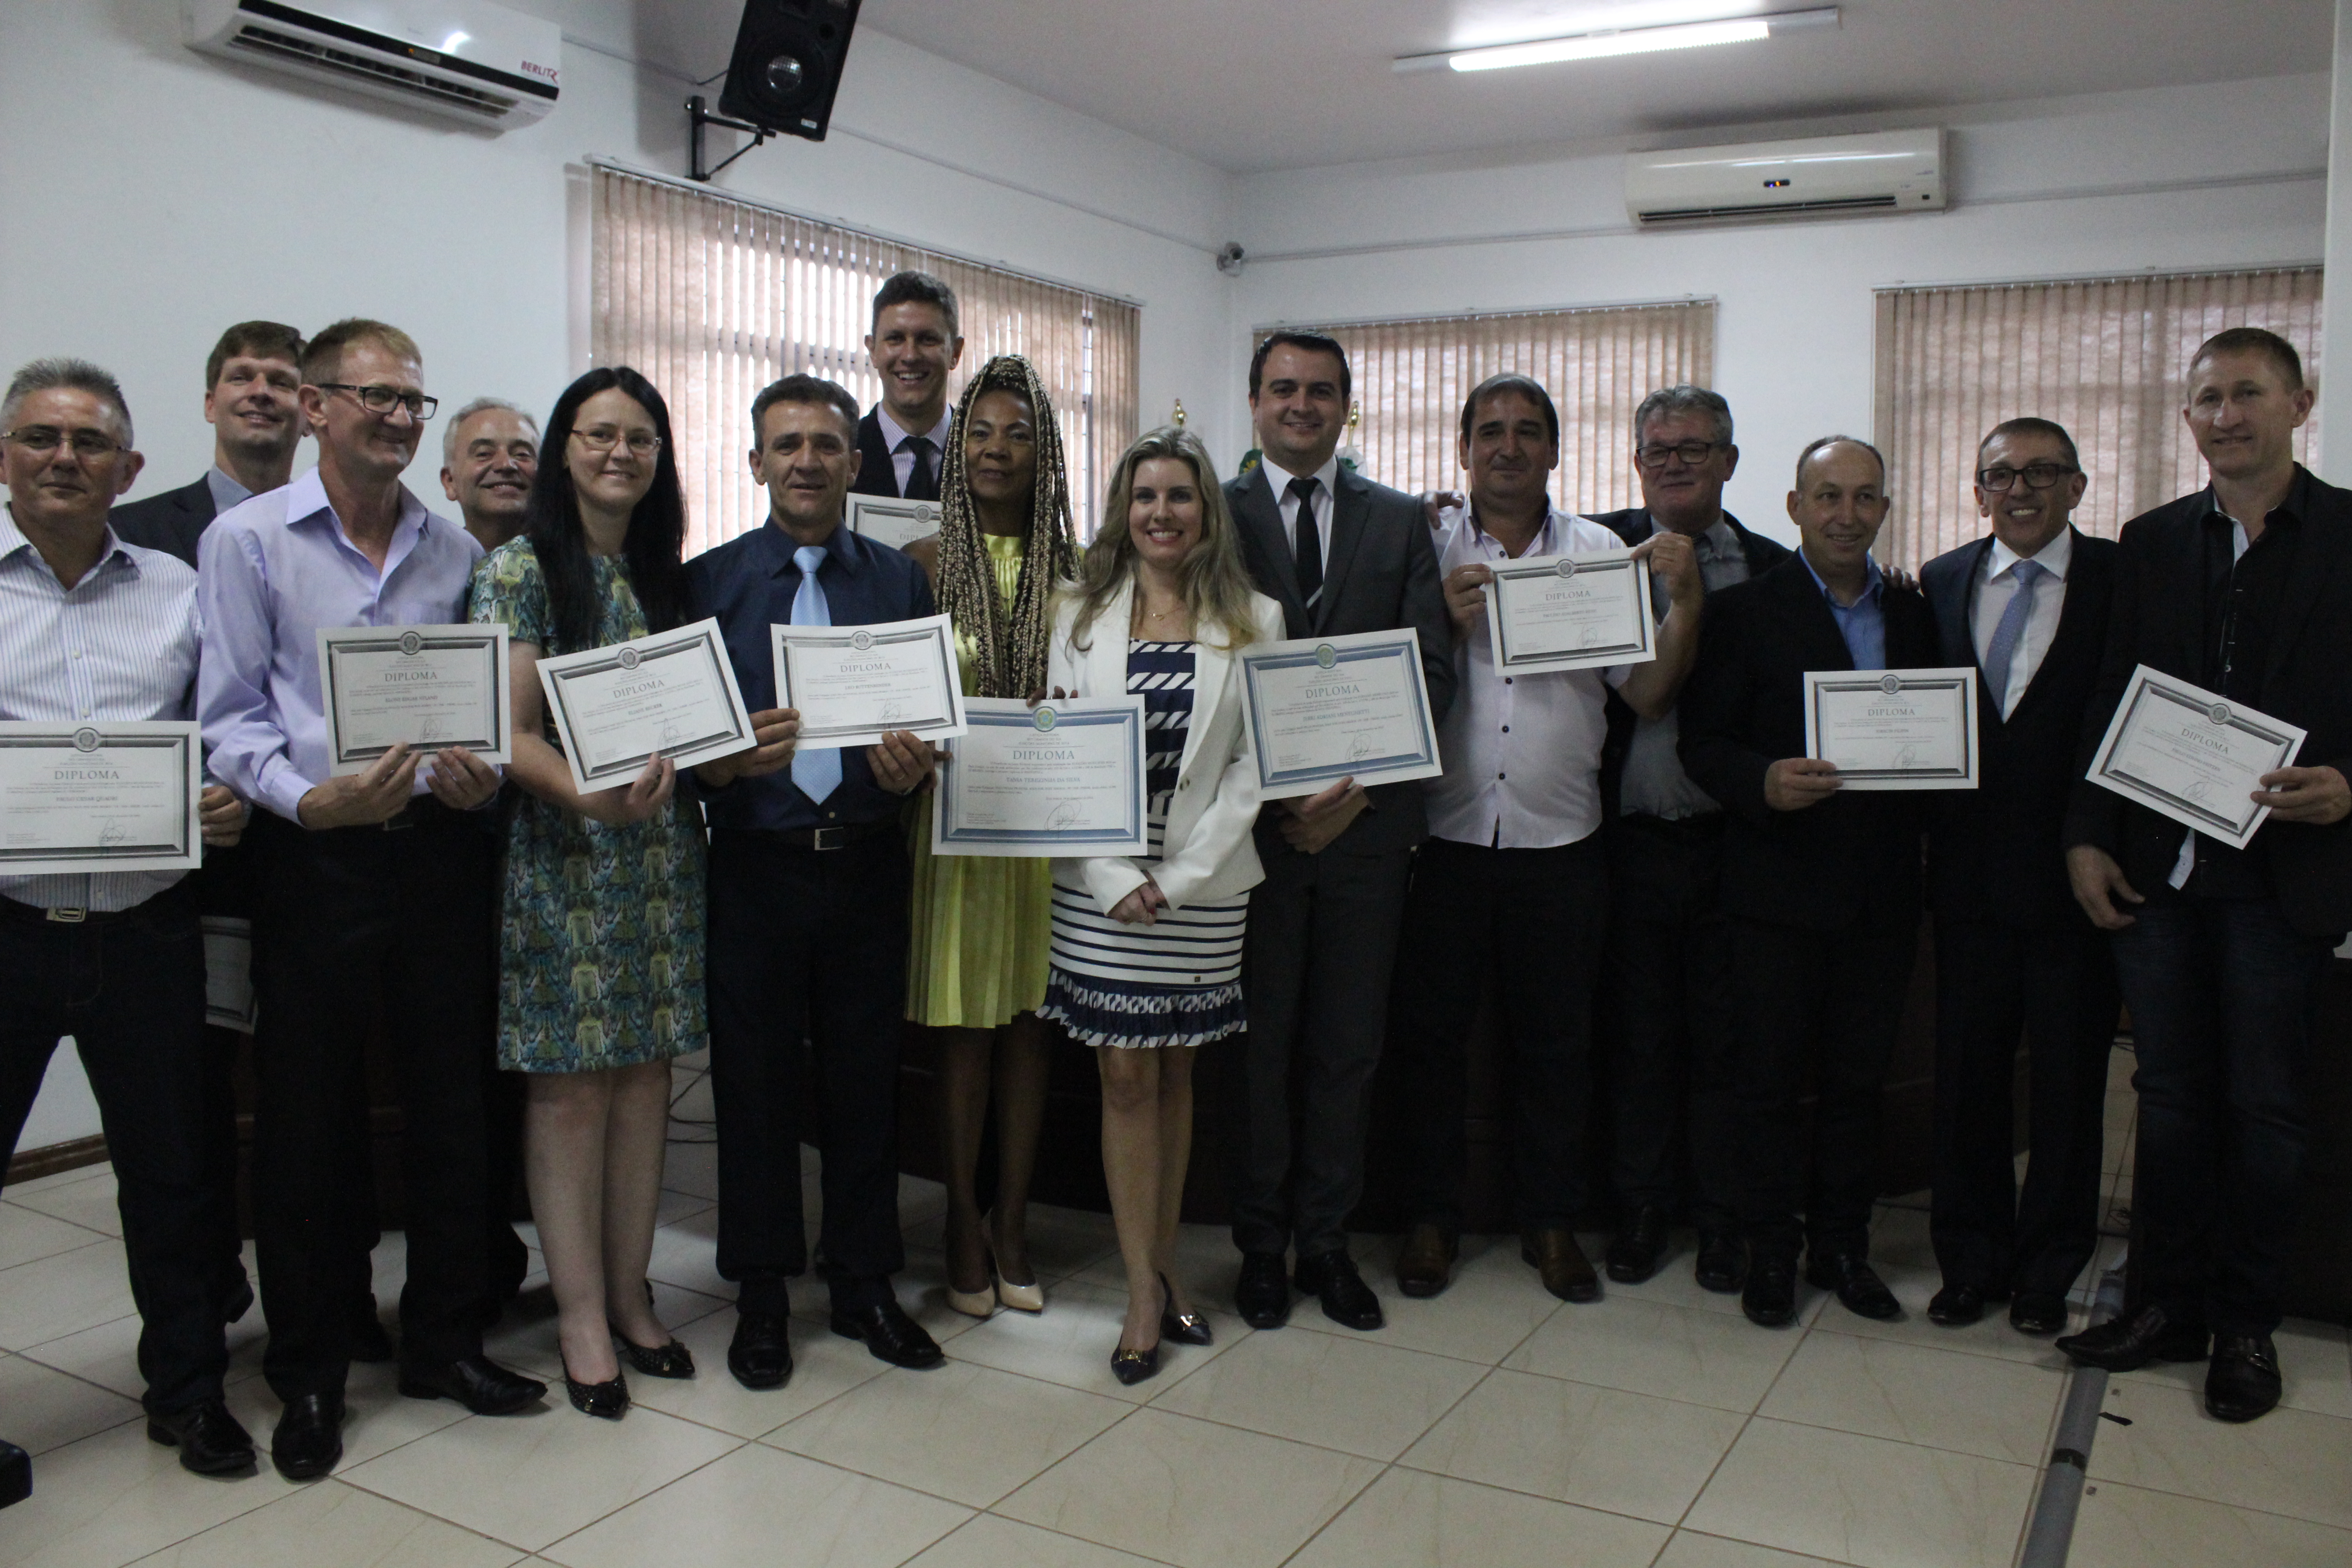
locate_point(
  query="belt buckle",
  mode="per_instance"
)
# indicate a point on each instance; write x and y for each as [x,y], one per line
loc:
[829,838]
[68,917]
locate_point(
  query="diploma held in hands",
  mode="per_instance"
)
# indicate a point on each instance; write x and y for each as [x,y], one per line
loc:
[1065,778]
[103,797]
[428,686]
[2193,755]
[888,520]
[1325,708]
[1570,612]
[674,693]
[1894,729]
[853,685]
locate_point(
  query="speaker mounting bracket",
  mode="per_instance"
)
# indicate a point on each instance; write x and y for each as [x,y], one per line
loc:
[698,114]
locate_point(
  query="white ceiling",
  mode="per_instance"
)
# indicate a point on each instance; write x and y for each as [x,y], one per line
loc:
[1252,85]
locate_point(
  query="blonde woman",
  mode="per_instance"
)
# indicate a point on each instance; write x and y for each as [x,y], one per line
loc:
[1147,949]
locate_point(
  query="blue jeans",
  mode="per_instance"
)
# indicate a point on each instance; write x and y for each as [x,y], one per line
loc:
[2223,995]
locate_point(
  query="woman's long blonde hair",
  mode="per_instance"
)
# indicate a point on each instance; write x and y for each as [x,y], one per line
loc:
[1010,644]
[1215,580]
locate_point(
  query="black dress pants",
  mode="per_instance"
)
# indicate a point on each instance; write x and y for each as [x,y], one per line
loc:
[1532,920]
[350,924]
[2055,985]
[130,989]
[807,944]
[222,888]
[1831,1002]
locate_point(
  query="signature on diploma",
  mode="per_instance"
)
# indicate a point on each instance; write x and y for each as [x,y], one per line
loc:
[2197,790]
[110,834]
[894,709]
[1906,756]
[1063,814]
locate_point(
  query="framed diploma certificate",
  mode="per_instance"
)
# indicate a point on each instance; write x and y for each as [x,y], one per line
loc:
[1063,778]
[2195,756]
[674,693]
[1324,709]
[429,686]
[1570,612]
[888,519]
[100,797]
[853,685]
[1895,729]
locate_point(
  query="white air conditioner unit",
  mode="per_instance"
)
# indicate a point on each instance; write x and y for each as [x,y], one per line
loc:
[1894,171]
[469,59]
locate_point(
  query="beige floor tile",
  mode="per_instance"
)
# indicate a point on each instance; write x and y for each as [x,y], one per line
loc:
[2314,1363]
[1864,1500]
[331,1525]
[115,1498]
[1916,1393]
[686,1255]
[1899,1239]
[988,1541]
[1070,1343]
[536,1478]
[1600,1448]
[63,1294]
[41,1409]
[824,1365]
[1192,1493]
[761,1508]
[107,1354]
[1645,1347]
[1062,1241]
[1408,1520]
[1344,1392]
[89,1201]
[15,1190]
[2127,1527]
[1689,1548]
[1207,1267]
[1495,1302]
[1990,1335]
[27,1235]
[2291,1462]
[692,1166]
[960,1431]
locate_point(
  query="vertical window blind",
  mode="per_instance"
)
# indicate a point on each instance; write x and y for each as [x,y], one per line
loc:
[712,298]
[1598,364]
[2107,358]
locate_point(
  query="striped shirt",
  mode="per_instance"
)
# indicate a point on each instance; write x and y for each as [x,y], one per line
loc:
[119,647]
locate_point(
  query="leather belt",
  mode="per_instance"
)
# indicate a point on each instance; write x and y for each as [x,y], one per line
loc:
[826,838]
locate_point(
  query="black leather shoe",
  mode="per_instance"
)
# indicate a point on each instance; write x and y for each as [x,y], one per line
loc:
[16,1474]
[369,1342]
[759,1355]
[1184,1327]
[1262,1295]
[1722,1261]
[1424,1265]
[1770,1295]
[1955,1306]
[1561,1264]
[1634,1252]
[2129,1344]
[1347,1300]
[890,1334]
[606,1401]
[1859,1288]
[2244,1383]
[2037,1312]
[476,1382]
[210,1440]
[1131,1367]
[309,1441]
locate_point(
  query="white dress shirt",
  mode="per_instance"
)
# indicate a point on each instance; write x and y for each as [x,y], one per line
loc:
[1996,586]
[1522,752]
[2186,865]
[227,491]
[902,457]
[1278,479]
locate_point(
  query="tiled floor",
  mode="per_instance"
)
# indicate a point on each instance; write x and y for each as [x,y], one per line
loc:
[1492,1427]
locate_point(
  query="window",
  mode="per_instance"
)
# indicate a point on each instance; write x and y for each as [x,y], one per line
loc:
[1598,364]
[713,297]
[2103,357]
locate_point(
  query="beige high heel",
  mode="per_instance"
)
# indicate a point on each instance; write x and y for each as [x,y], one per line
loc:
[1029,1297]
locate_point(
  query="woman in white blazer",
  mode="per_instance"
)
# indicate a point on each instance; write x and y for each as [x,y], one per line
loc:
[1147,949]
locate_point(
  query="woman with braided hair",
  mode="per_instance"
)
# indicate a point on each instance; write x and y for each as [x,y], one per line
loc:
[976,964]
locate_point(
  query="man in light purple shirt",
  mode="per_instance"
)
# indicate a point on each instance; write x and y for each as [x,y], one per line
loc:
[374,914]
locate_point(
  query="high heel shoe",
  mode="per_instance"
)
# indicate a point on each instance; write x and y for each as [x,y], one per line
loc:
[1131,1367]
[980,1303]
[1029,1297]
[607,1401]
[671,1360]
[1184,1327]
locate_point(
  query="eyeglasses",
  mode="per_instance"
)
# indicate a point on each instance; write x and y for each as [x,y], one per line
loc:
[1692,453]
[380,399]
[2037,476]
[603,438]
[89,445]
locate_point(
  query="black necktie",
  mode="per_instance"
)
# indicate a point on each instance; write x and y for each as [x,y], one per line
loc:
[1310,544]
[922,479]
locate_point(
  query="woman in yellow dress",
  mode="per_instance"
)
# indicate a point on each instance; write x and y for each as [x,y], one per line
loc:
[982,924]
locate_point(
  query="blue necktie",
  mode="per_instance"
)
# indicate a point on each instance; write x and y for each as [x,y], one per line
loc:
[816,770]
[2012,627]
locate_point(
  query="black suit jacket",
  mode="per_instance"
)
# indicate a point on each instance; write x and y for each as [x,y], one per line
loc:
[1382,575]
[1996,852]
[1856,855]
[876,476]
[1633,525]
[172,521]
[2158,619]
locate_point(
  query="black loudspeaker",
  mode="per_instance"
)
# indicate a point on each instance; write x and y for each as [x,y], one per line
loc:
[787,63]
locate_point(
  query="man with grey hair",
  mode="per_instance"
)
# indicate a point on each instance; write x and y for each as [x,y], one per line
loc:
[490,454]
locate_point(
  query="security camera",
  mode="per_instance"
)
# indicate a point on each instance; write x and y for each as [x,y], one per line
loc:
[1229,260]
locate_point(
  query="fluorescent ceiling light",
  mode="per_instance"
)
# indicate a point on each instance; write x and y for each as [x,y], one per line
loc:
[1622,41]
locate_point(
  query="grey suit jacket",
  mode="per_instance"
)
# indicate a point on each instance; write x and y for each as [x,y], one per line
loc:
[172,521]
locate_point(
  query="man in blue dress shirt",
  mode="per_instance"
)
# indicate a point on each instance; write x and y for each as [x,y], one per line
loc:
[809,887]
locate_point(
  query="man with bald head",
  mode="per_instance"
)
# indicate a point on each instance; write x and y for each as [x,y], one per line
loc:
[1820,886]
[490,454]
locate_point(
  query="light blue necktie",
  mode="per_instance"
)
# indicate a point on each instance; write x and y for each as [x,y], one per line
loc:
[2004,636]
[817,770]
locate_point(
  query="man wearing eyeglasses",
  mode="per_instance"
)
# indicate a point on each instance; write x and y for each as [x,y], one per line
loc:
[2026,605]
[375,899]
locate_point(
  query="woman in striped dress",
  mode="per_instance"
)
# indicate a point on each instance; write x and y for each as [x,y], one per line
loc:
[1147,949]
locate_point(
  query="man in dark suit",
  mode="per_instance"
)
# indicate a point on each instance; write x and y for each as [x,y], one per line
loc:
[1341,554]
[1665,1008]
[2244,589]
[917,340]
[2027,606]
[251,383]
[1822,886]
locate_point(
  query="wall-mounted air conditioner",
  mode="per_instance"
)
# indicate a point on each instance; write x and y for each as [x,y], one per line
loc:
[1891,171]
[469,59]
